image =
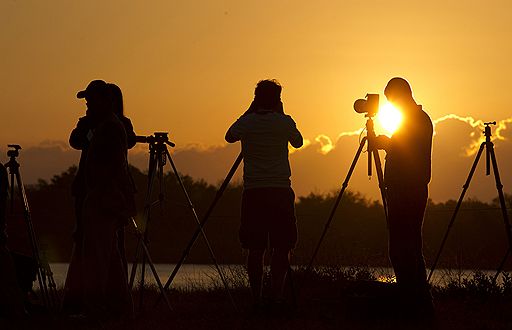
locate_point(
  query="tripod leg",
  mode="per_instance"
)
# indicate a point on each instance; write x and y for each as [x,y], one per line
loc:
[503,205]
[52,286]
[151,264]
[338,199]
[380,177]
[158,164]
[457,207]
[500,267]
[41,276]
[218,195]
[147,209]
[207,242]
[134,266]
[12,191]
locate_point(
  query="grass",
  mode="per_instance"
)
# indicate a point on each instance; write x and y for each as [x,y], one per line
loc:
[327,298]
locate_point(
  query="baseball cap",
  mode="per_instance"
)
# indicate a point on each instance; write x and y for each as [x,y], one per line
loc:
[98,87]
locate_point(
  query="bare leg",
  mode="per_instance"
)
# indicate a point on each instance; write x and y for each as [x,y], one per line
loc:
[255,272]
[279,268]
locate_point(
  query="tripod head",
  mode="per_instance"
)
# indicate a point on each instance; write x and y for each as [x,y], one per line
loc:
[487,129]
[370,107]
[488,146]
[156,138]
[12,165]
[15,152]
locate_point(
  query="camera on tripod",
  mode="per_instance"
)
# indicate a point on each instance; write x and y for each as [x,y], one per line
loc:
[156,138]
[15,152]
[369,105]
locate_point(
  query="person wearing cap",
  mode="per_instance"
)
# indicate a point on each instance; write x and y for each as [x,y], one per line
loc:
[98,97]
[268,210]
[97,284]
[406,176]
[118,106]
[81,135]
[131,139]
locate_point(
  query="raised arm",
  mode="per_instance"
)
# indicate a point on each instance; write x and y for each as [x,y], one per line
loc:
[295,137]
[131,137]
[236,131]
[81,134]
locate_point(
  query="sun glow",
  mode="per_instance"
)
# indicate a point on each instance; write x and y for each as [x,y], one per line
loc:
[389,118]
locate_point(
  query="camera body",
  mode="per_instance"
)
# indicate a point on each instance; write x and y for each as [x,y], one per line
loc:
[369,105]
[156,138]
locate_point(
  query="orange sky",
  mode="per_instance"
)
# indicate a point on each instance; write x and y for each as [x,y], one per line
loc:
[189,67]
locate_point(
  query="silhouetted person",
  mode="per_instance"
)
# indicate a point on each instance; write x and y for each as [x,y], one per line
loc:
[81,135]
[118,107]
[406,176]
[79,139]
[97,281]
[11,298]
[268,211]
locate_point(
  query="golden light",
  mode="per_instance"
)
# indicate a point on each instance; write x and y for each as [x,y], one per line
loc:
[386,278]
[389,118]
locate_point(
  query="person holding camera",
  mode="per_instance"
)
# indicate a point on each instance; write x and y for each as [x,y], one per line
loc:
[97,284]
[406,176]
[268,210]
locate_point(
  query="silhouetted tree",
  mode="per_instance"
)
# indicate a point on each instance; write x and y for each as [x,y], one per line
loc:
[357,234]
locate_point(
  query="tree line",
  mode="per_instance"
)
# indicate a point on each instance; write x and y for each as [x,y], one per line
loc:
[357,235]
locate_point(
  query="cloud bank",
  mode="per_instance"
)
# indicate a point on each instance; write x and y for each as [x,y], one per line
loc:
[321,165]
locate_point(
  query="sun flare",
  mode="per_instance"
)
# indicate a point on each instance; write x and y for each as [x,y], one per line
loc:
[389,118]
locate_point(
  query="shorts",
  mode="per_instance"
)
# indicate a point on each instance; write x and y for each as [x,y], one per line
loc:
[268,214]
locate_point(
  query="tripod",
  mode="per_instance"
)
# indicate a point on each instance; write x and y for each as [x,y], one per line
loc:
[44,274]
[199,230]
[201,225]
[373,152]
[490,157]
[159,154]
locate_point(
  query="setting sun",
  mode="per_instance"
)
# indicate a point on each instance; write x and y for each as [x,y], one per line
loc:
[389,118]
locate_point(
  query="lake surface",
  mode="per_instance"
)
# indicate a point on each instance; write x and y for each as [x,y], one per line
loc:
[188,275]
[205,276]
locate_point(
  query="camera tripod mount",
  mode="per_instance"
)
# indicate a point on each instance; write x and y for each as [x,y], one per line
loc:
[158,157]
[44,275]
[488,145]
[373,156]
[156,138]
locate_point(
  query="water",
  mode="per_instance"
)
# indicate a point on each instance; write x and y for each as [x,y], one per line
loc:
[204,276]
[188,275]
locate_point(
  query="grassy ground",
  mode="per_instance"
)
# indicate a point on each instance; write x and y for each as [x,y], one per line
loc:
[331,298]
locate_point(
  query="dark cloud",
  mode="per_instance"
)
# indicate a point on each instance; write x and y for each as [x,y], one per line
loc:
[455,147]
[211,164]
[45,160]
[322,165]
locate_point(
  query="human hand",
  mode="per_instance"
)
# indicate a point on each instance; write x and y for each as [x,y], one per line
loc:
[382,142]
